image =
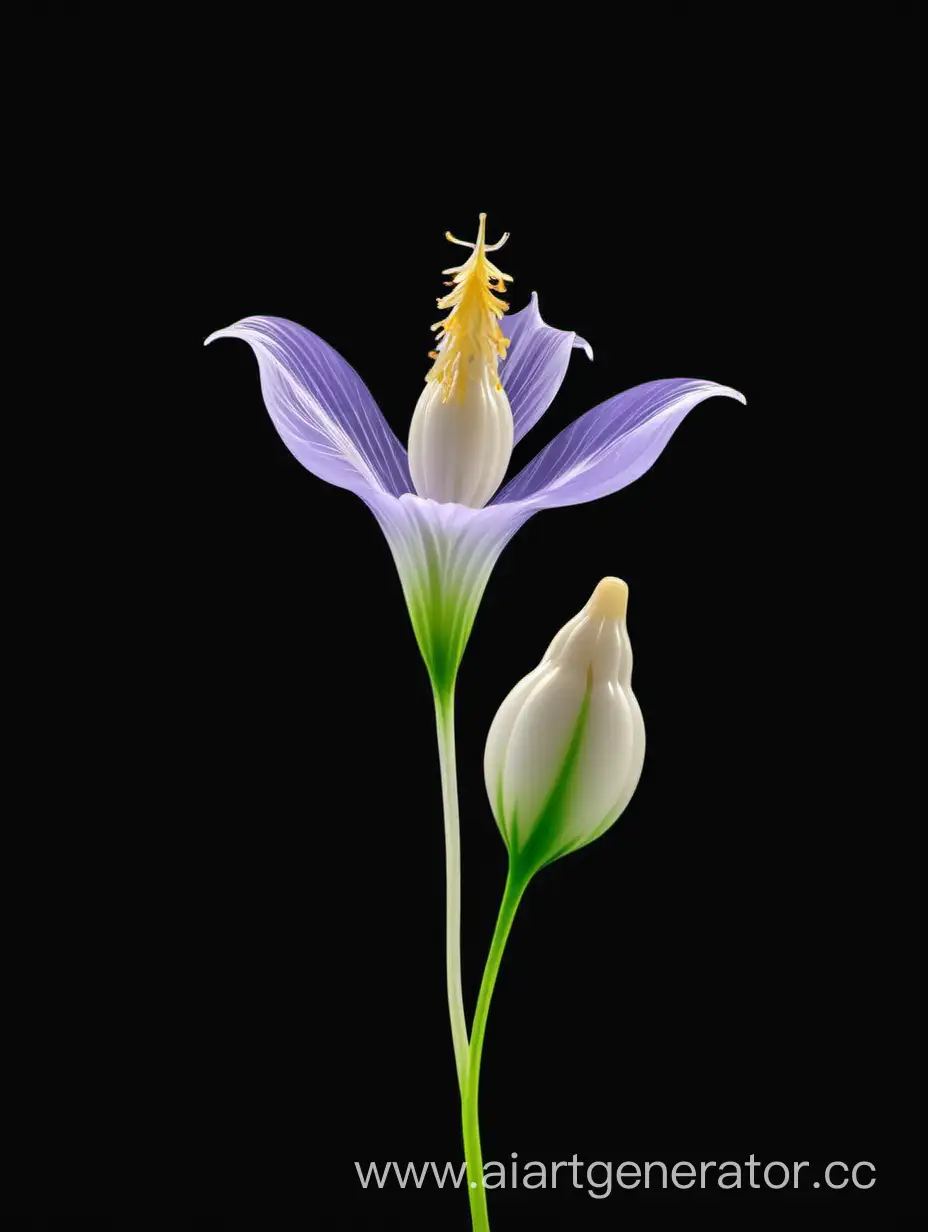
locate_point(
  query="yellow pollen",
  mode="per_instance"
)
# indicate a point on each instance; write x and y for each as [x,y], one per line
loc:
[471,330]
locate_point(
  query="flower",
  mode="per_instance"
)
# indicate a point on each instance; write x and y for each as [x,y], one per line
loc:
[565,750]
[431,504]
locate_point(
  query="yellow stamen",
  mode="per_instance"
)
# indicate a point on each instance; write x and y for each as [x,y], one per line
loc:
[471,330]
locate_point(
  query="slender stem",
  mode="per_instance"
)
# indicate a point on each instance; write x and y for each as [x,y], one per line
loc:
[444,723]
[512,896]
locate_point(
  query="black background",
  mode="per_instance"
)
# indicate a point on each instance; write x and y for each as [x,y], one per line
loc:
[241,985]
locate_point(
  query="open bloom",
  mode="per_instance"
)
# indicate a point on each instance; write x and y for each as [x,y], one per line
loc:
[566,747]
[492,380]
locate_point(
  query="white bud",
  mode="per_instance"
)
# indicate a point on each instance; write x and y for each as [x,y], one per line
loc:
[566,748]
[460,446]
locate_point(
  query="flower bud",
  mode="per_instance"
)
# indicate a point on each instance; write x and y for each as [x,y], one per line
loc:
[566,748]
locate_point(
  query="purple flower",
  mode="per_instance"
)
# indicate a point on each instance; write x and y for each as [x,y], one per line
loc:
[445,552]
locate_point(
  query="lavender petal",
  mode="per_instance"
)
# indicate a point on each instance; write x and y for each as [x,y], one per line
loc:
[535,364]
[609,446]
[322,409]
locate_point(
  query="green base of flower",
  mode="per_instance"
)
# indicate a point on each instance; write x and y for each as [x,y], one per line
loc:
[442,622]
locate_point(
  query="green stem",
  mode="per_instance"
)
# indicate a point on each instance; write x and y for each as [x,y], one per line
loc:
[444,724]
[512,896]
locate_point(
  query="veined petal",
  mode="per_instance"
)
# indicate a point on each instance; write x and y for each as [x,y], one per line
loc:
[444,554]
[535,364]
[322,409]
[609,446]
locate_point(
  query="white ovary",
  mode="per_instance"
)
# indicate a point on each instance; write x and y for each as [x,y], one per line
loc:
[589,660]
[459,449]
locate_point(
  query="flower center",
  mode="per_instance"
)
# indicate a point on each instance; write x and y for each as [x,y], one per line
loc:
[471,331]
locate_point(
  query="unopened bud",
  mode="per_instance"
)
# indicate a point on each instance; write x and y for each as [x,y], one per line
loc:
[566,748]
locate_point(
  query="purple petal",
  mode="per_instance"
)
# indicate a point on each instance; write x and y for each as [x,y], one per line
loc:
[535,364]
[322,409]
[610,446]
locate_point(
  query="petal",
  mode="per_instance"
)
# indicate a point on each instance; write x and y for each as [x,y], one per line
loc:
[497,746]
[607,762]
[538,748]
[444,554]
[535,364]
[610,446]
[322,409]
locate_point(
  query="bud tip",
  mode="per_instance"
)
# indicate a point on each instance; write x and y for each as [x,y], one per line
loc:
[610,598]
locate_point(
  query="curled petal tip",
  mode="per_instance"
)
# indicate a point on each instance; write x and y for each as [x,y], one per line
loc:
[577,342]
[726,391]
[232,331]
